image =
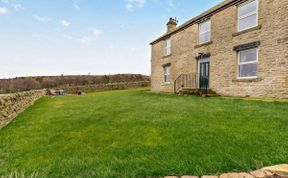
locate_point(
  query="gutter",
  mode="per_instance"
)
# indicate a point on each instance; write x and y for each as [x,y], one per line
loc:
[222,6]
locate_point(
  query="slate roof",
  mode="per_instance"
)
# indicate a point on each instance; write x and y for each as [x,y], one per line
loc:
[225,4]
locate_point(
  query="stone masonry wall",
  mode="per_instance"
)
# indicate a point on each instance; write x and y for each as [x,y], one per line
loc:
[13,104]
[272,32]
[277,171]
[103,87]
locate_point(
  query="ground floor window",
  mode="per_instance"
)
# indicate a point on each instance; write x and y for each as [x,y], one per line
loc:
[248,63]
[167,74]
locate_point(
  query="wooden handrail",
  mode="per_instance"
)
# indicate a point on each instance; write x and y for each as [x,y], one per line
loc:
[189,80]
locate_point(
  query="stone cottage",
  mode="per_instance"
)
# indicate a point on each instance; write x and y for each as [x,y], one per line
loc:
[237,48]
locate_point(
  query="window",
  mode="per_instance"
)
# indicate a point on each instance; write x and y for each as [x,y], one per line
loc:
[167,47]
[205,32]
[248,63]
[248,15]
[167,74]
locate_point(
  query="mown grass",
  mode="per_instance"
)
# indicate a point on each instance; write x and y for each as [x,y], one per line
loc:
[135,133]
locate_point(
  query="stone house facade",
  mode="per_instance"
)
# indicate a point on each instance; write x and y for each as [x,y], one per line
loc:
[238,48]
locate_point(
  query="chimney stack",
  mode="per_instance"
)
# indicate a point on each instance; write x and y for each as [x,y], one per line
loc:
[171,25]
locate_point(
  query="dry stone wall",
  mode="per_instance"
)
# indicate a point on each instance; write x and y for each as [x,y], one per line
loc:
[277,171]
[103,87]
[13,104]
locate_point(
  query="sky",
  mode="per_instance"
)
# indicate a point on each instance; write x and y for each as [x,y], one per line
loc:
[80,37]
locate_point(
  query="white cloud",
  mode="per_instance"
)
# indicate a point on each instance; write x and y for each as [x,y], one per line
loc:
[97,32]
[18,7]
[91,37]
[42,19]
[3,10]
[123,27]
[65,23]
[76,6]
[132,4]
[171,4]
[5,1]
[112,46]
[86,40]
[11,5]
[129,7]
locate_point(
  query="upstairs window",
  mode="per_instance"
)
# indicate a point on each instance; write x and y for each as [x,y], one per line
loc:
[167,74]
[248,63]
[167,47]
[205,32]
[248,15]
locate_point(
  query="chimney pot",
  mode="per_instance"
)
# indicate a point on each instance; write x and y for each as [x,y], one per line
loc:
[172,24]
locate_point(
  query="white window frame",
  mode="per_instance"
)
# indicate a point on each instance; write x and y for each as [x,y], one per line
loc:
[247,15]
[201,33]
[167,47]
[166,73]
[243,63]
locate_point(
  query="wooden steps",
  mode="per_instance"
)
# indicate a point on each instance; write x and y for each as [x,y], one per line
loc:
[197,92]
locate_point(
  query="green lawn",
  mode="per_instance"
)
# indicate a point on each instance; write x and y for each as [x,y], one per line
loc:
[135,133]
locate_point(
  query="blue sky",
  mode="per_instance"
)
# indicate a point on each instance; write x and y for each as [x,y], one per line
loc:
[54,37]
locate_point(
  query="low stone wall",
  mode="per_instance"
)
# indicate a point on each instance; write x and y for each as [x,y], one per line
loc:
[103,87]
[278,171]
[13,104]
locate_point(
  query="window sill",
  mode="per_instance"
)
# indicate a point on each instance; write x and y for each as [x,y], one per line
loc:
[247,80]
[166,56]
[247,30]
[166,83]
[203,44]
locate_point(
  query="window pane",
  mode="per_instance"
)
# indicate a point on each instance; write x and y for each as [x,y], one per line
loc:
[169,50]
[167,73]
[205,26]
[168,43]
[248,70]
[248,22]
[248,8]
[248,55]
[167,47]
[167,70]
[167,78]
[204,37]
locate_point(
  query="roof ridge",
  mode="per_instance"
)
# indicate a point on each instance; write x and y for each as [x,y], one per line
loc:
[197,18]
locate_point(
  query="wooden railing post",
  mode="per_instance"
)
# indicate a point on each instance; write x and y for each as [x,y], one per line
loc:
[189,80]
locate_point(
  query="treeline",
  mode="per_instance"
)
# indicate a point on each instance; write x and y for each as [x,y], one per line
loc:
[28,83]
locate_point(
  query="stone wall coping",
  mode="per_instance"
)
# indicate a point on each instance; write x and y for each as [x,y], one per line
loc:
[277,171]
[23,92]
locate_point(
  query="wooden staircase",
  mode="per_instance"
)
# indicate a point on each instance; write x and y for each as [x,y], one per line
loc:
[197,92]
[187,84]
